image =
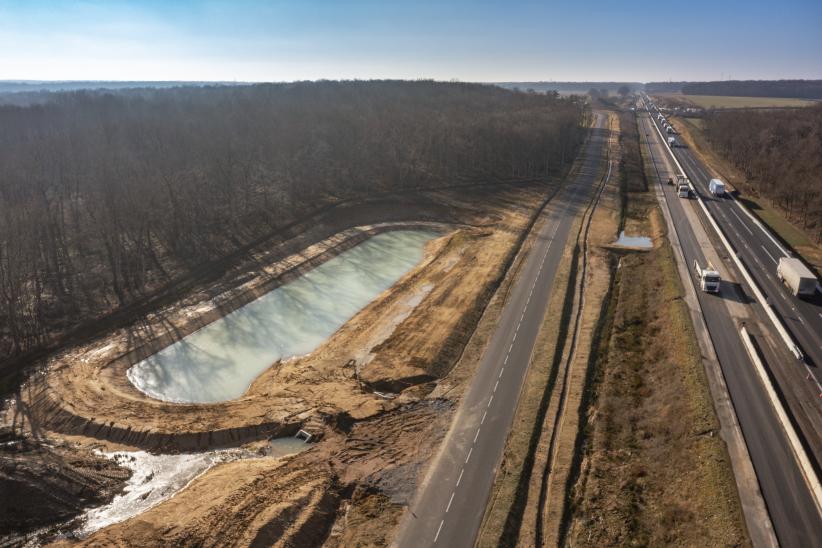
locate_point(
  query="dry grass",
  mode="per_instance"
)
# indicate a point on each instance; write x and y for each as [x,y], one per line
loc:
[720,101]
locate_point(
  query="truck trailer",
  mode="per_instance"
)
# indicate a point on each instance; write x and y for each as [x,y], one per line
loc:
[796,277]
[708,277]
[716,187]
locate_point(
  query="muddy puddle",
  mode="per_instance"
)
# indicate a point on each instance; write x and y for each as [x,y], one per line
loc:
[642,242]
[220,361]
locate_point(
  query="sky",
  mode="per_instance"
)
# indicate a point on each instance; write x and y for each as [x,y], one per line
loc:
[276,40]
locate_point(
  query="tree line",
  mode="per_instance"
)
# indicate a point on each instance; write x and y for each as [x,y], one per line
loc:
[780,153]
[106,197]
[794,89]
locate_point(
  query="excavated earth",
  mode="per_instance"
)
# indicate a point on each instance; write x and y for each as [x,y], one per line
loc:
[373,393]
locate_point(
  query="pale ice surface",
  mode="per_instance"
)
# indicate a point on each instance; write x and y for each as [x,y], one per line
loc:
[634,241]
[220,361]
[156,478]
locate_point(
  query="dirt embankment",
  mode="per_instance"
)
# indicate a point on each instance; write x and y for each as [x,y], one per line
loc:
[653,471]
[46,483]
[353,483]
[406,337]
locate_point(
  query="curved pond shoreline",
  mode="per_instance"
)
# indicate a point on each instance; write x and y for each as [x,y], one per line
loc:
[218,361]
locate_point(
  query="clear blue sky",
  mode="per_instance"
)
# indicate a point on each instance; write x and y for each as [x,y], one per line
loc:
[469,40]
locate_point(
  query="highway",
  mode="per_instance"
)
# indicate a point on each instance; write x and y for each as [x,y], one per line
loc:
[760,251]
[450,502]
[790,505]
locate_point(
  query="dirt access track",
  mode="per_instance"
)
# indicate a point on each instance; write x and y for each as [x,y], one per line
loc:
[410,335]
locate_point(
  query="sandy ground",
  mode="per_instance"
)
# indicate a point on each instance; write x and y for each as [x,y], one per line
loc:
[351,486]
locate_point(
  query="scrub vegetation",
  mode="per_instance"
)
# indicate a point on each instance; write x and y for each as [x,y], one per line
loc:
[109,199]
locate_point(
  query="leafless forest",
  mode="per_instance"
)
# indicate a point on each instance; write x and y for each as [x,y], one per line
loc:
[780,153]
[108,197]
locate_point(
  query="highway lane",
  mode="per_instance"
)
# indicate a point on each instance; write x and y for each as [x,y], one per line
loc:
[450,503]
[790,505]
[760,252]
[799,381]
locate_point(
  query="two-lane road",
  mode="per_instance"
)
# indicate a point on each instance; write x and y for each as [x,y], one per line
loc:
[451,501]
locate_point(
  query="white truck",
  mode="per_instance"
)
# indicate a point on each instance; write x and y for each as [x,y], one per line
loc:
[683,187]
[708,277]
[716,187]
[669,129]
[671,142]
[796,277]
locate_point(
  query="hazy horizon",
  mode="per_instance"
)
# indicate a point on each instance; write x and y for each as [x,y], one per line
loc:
[255,41]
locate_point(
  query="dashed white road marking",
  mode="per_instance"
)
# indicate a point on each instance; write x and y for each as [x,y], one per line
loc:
[742,222]
[769,254]
[438,531]
[496,384]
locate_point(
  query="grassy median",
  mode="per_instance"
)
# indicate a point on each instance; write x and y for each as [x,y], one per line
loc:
[653,470]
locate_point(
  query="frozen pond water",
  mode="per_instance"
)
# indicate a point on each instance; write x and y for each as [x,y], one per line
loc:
[156,478]
[643,242]
[220,361]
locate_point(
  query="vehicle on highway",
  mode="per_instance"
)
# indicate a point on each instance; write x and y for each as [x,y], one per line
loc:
[670,129]
[709,278]
[796,277]
[671,181]
[671,142]
[716,187]
[683,191]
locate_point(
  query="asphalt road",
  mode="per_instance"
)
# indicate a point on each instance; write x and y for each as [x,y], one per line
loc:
[799,381]
[790,505]
[451,501]
[760,252]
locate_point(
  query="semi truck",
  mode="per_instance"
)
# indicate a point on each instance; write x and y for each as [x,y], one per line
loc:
[796,277]
[708,277]
[716,187]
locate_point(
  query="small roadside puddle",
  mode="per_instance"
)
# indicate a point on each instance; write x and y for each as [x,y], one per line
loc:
[641,242]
